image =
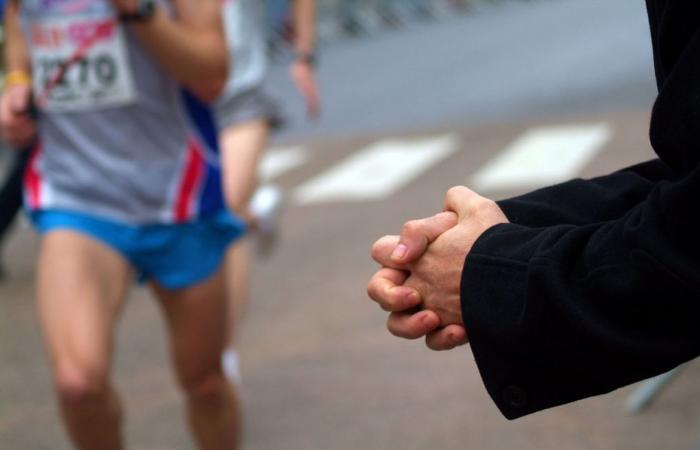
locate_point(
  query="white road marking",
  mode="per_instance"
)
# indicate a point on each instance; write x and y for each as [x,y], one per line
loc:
[280,160]
[377,171]
[542,156]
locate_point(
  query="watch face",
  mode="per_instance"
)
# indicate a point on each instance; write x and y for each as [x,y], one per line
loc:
[146,8]
[307,58]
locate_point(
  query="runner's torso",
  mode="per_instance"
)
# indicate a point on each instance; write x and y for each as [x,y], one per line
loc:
[116,136]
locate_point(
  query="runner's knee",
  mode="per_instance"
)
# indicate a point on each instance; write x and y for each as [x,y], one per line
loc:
[78,384]
[209,386]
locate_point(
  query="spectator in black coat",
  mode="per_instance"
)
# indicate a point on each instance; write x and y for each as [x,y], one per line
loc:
[577,289]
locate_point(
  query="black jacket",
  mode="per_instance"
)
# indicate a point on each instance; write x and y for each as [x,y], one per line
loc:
[596,283]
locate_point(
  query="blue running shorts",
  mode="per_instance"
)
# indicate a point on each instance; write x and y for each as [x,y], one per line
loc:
[176,256]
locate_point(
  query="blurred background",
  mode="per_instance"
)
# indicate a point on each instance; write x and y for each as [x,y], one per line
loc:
[417,96]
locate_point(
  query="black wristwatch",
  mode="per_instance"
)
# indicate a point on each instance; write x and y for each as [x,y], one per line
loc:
[145,10]
[307,58]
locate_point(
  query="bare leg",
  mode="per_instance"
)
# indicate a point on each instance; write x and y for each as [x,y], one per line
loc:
[197,320]
[81,285]
[242,146]
[237,283]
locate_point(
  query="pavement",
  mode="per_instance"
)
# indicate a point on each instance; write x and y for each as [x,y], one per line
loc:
[319,369]
[510,60]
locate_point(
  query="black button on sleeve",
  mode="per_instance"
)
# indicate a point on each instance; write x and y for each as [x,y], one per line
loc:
[515,397]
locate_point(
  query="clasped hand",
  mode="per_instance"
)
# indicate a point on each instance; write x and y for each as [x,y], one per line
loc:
[419,282]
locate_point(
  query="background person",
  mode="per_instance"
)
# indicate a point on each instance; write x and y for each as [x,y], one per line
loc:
[245,116]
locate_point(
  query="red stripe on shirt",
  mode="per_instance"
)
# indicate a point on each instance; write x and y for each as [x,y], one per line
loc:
[32,179]
[194,168]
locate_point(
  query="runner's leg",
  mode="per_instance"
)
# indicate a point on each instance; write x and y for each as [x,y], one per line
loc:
[196,318]
[81,286]
[238,287]
[242,147]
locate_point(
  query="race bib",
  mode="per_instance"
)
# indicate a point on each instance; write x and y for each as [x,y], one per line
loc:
[80,64]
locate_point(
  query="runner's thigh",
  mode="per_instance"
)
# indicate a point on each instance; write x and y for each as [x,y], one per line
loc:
[81,285]
[196,318]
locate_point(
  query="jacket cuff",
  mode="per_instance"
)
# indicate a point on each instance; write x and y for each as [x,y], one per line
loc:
[493,301]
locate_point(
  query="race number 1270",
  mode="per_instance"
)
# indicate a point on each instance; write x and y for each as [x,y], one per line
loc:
[93,72]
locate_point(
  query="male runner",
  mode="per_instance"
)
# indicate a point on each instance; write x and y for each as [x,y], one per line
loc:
[122,184]
[245,117]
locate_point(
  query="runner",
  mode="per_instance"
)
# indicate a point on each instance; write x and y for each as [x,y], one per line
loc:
[122,185]
[245,117]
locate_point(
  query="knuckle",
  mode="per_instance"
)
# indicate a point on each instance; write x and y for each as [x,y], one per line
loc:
[394,329]
[430,343]
[374,289]
[410,228]
[400,328]
[370,290]
[483,205]
[456,192]
[377,246]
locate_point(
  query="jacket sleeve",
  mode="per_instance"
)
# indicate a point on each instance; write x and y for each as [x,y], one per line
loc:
[580,202]
[559,312]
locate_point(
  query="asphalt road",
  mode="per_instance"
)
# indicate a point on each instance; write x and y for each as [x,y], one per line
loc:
[319,369]
[512,60]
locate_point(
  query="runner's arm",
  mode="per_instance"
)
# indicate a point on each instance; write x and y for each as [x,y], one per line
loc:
[16,53]
[302,70]
[305,26]
[192,46]
[16,125]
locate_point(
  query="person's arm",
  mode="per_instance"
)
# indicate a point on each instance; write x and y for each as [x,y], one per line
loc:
[191,46]
[16,53]
[18,127]
[305,27]
[558,313]
[581,202]
[302,70]
[564,312]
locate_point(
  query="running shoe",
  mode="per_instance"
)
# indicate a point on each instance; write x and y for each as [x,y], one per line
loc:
[231,364]
[265,207]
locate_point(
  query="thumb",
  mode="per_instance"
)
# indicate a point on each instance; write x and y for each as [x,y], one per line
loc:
[417,235]
[461,200]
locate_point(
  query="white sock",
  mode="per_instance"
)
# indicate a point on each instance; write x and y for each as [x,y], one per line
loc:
[230,362]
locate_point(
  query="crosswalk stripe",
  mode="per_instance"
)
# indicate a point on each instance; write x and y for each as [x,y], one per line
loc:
[377,171]
[542,156]
[280,160]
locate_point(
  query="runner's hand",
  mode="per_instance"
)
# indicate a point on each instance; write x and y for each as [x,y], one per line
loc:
[302,74]
[16,124]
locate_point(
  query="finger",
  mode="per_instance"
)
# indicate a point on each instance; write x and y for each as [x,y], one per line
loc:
[416,235]
[382,250]
[412,325]
[386,289]
[461,200]
[447,338]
